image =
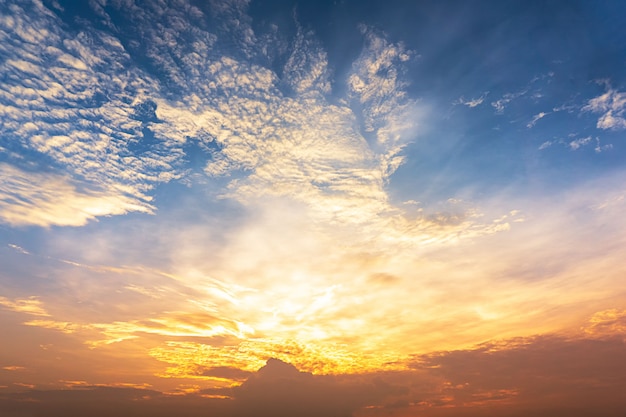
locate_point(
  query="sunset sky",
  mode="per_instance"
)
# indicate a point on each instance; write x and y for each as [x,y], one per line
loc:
[312,208]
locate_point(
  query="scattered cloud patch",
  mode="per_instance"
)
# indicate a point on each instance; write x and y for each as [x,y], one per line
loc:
[500,104]
[578,143]
[602,148]
[611,105]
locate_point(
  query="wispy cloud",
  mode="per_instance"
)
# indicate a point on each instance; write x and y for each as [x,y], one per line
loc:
[500,104]
[378,83]
[546,145]
[19,249]
[32,306]
[578,143]
[536,118]
[28,198]
[475,102]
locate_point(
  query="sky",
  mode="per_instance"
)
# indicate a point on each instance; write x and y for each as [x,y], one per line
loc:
[332,208]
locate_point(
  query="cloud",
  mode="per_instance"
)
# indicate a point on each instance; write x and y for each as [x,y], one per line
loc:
[307,66]
[377,81]
[536,118]
[298,146]
[68,107]
[279,389]
[501,103]
[32,306]
[611,105]
[13,368]
[545,373]
[287,303]
[18,249]
[546,145]
[113,133]
[30,198]
[550,374]
[607,323]
[106,401]
[473,102]
[602,148]
[578,143]
[175,324]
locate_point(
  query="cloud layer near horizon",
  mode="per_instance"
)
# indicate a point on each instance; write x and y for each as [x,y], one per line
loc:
[578,374]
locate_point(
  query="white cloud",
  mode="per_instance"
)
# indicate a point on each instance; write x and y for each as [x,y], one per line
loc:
[71,98]
[307,66]
[303,148]
[536,118]
[501,103]
[44,199]
[602,148]
[377,81]
[475,102]
[578,143]
[611,105]
[546,145]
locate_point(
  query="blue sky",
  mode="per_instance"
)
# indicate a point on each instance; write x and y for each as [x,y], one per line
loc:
[340,185]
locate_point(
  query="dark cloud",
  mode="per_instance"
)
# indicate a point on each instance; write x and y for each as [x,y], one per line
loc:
[106,402]
[539,376]
[546,375]
[279,389]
